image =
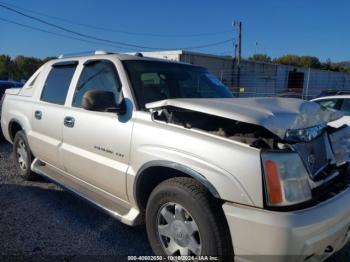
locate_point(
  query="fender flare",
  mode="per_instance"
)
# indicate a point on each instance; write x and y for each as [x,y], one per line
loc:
[10,123]
[176,166]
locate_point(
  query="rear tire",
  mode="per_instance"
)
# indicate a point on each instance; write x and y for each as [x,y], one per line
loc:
[23,156]
[183,218]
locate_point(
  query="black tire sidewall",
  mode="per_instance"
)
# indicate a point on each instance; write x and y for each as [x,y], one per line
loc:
[168,193]
[20,136]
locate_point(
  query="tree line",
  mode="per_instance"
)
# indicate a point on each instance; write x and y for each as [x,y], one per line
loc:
[21,67]
[303,61]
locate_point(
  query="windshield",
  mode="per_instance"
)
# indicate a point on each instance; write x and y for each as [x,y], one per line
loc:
[153,81]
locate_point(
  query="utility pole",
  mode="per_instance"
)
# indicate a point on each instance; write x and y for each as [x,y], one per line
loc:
[238,51]
[233,63]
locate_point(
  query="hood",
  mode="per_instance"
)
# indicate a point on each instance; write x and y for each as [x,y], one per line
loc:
[278,115]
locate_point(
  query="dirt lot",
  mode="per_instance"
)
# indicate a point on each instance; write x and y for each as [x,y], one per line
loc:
[40,221]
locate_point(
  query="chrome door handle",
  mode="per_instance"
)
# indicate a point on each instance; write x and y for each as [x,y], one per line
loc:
[38,114]
[69,121]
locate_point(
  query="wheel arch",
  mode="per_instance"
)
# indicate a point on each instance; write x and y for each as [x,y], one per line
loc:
[148,177]
[13,127]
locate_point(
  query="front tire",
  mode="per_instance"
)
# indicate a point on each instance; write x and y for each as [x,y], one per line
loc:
[23,156]
[184,219]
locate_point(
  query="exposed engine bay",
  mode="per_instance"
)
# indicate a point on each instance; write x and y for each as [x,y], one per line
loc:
[319,148]
[249,134]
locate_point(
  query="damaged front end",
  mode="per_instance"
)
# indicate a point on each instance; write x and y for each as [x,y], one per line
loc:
[312,171]
[304,161]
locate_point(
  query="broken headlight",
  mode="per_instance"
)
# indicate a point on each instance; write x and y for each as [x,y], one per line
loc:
[305,134]
[286,179]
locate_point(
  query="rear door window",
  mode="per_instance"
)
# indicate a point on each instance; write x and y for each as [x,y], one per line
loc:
[57,83]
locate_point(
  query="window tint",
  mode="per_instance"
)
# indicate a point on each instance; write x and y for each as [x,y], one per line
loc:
[97,75]
[329,103]
[57,84]
[346,107]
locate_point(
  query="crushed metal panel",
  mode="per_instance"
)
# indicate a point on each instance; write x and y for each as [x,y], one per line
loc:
[340,142]
[278,115]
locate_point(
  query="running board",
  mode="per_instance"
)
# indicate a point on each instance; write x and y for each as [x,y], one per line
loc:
[107,203]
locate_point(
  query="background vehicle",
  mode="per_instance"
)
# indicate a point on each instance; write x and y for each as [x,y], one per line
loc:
[164,143]
[6,85]
[332,92]
[289,95]
[338,102]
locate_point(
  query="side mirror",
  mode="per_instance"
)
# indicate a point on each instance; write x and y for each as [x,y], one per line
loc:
[102,101]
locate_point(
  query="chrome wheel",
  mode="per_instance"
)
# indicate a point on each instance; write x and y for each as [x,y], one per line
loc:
[177,231]
[22,155]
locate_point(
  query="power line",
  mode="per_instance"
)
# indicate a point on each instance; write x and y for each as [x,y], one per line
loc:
[118,31]
[107,40]
[54,33]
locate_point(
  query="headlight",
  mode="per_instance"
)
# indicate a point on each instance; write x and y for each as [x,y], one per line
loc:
[304,135]
[286,179]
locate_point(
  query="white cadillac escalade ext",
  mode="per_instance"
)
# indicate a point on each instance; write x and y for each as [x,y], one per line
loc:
[164,143]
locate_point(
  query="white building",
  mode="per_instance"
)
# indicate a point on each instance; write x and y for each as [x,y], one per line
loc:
[258,79]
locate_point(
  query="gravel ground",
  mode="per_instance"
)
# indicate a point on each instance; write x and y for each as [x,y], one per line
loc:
[40,221]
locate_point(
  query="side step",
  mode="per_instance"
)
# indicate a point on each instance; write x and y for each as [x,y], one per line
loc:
[109,204]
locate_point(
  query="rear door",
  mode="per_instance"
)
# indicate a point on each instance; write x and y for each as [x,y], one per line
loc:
[96,144]
[48,114]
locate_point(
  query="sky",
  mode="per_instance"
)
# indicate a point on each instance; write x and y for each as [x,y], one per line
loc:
[302,27]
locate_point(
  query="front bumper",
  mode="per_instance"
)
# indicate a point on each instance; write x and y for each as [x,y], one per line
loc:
[312,234]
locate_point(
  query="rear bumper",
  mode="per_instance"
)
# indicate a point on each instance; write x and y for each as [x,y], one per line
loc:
[263,235]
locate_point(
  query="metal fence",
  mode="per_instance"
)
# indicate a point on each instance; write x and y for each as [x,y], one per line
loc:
[281,81]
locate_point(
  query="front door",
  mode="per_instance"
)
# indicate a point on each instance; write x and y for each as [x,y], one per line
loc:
[96,143]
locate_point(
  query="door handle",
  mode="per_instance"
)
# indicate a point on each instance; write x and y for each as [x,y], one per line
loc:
[69,121]
[38,114]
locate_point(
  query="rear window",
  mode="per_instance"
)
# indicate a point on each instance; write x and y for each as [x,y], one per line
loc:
[57,84]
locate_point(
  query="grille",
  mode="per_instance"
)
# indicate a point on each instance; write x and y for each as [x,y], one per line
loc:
[331,189]
[314,154]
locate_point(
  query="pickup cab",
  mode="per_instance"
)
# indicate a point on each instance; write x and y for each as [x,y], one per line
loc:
[165,144]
